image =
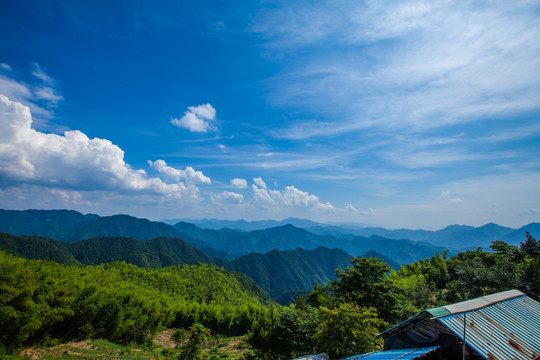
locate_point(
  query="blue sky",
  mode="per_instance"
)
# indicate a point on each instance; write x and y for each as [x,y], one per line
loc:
[414,114]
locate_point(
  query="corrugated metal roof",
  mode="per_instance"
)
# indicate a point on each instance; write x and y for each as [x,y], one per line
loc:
[404,354]
[482,301]
[456,308]
[508,329]
[416,318]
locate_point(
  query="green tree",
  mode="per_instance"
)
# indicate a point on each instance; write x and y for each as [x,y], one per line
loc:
[285,333]
[366,284]
[348,330]
[191,350]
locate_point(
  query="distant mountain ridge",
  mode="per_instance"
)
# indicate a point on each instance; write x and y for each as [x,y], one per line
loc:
[289,237]
[452,236]
[402,245]
[70,225]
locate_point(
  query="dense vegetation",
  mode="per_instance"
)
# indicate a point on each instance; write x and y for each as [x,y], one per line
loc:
[155,253]
[278,272]
[343,317]
[117,301]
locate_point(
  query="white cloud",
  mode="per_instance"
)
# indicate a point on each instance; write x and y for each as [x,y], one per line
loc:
[197,119]
[530,212]
[290,197]
[5,66]
[41,98]
[239,183]
[368,212]
[48,94]
[227,197]
[40,74]
[259,182]
[446,62]
[72,161]
[350,207]
[191,176]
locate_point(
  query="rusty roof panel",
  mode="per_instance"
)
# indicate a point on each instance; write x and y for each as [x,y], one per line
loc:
[505,330]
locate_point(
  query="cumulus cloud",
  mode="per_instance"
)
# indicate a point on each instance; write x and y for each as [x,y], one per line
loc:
[259,182]
[228,197]
[290,197]
[197,119]
[190,176]
[239,183]
[70,161]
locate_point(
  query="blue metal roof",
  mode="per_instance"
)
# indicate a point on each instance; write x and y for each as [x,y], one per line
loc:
[403,354]
[508,329]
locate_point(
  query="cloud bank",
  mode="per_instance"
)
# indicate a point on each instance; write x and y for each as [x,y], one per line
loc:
[72,160]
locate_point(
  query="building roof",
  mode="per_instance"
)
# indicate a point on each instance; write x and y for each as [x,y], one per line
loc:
[506,330]
[474,304]
[504,325]
[403,354]
[456,308]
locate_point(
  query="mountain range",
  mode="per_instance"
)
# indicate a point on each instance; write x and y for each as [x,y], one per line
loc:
[276,272]
[284,259]
[453,236]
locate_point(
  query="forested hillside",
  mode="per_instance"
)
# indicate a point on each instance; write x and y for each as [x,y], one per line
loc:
[366,298]
[121,302]
[279,272]
[118,301]
[155,253]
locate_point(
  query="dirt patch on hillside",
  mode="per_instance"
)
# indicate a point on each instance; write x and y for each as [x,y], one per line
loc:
[30,353]
[164,339]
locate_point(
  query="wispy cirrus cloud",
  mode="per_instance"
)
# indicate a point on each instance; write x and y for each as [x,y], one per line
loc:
[410,65]
[41,95]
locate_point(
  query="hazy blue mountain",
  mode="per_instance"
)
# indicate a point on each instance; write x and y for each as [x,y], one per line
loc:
[242,225]
[238,225]
[453,236]
[69,225]
[374,254]
[516,237]
[280,272]
[286,237]
[122,226]
[289,237]
[403,251]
